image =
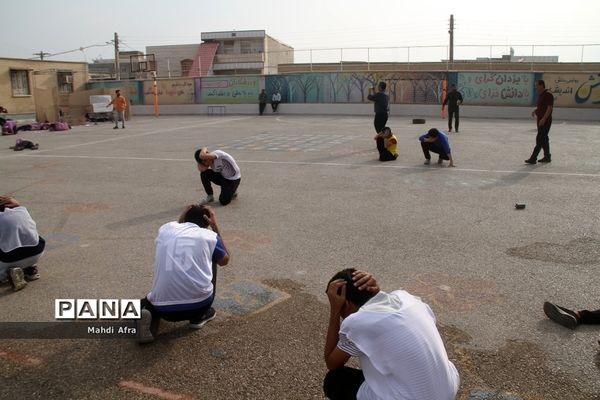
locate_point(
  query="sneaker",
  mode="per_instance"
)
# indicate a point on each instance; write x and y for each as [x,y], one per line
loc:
[530,161]
[234,196]
[31,273]
[209,316]
[560,315]
[17,278]
[116,127]
[456,131]
[143,332]
[427,162]
[440,160]
[208,199]
[123,127]
[545,160]
[449,130]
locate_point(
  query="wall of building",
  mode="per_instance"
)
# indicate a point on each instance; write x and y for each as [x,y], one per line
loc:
[169,58]
[45,99]
[276,53]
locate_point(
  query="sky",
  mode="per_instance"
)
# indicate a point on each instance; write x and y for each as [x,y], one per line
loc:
[61,26]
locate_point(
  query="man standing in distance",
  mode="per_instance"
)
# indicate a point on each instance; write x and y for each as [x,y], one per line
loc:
[543,112]
[453,99]
[120,104]
[381,105]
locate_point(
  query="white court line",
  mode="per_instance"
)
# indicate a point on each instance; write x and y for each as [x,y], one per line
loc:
[123,137]
[326,164]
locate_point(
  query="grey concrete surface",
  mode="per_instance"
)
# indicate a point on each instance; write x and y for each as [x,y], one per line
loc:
[313,200]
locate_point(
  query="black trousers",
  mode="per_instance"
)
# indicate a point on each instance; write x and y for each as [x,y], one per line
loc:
[274,105]
[434,148]
[261,108]
[589,317]
[384,154]
[194,315]
[343,383]
[380,121]
[228,187]
[453,113]
[542,140]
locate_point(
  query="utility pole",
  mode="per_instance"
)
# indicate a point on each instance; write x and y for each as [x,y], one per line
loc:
[117,68]
[451,32]
[41,55]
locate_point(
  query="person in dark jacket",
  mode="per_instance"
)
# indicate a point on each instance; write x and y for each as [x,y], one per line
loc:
[453,100]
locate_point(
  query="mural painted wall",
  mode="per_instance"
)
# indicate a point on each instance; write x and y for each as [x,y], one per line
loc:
[172,91]
[135,88]
[574,90]
[408,88]
[227,90]
[496,88]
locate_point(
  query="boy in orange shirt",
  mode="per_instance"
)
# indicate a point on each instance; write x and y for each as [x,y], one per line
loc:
[120,104]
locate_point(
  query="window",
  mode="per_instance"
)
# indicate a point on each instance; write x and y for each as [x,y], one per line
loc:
[228,47]
[186,67]
[246,47]
[65,81]
[19,80]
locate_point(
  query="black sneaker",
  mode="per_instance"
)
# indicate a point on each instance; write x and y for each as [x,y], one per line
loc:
[31,273]
[208,316]
[16,278]
[545,160]
[530,161]
[116,127]
[560,315]
[143,332]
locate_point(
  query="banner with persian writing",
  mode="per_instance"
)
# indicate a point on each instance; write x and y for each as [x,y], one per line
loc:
[227,90]
[496,88]
[574,90]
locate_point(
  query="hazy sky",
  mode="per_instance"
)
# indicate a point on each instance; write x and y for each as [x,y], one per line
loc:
[56,26]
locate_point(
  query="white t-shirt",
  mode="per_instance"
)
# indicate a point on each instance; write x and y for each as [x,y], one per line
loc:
[400,350]
[183,264]
[226,166]
[276,97]
[17,229]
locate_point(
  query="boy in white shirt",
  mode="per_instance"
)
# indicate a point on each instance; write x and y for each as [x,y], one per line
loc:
[394,336]
[221,169]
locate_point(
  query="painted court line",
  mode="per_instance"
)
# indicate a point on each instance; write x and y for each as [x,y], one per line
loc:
[152,391]
[326,164]
[123,137]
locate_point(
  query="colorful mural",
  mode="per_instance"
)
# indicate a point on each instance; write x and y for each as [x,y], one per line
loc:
[496,88]
[403,88]
[227,90]
[173,91]
[574,90]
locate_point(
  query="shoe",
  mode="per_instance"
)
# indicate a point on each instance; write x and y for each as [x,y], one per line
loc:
[31,273]
[143,332]
[123,127]
[208,199]
[427,162]
[209,316]
[440,160]
[449,130]
[530,161]
[116,127]
[560,315]
[456,131]
[17,278]
[545,160]
[234,196]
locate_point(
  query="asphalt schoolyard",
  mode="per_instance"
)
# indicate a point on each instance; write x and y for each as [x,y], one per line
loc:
[313,200]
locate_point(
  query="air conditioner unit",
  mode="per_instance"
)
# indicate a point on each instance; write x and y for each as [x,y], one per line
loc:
[68,78]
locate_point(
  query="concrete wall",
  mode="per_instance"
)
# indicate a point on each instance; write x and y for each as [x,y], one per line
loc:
[410,111]
[276,53]
[168,58]
[45,98]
